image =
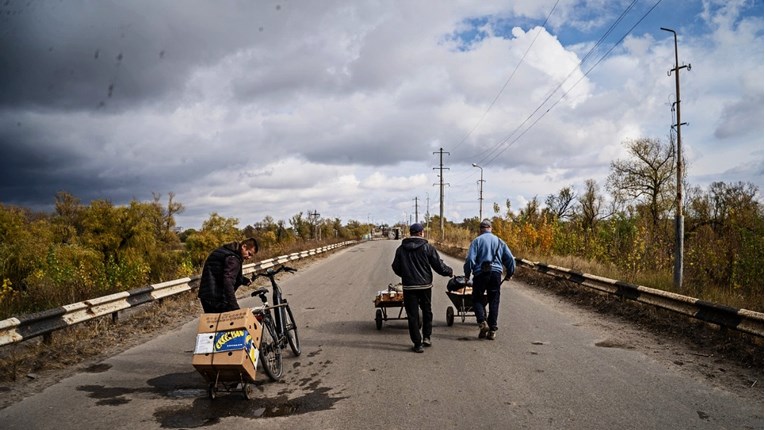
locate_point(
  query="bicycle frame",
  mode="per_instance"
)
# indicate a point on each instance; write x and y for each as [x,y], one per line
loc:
[278,303]
[284,322]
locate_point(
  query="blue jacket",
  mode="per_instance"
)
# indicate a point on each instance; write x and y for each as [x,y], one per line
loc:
[488,247]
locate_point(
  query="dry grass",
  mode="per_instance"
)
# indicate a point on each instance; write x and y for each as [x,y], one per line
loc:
[66,347]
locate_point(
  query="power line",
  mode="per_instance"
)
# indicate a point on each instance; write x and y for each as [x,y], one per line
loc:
[491,105]
[565,93]
[485,156]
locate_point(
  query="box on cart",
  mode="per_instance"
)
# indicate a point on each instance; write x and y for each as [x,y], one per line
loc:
[230,350]
[208,323]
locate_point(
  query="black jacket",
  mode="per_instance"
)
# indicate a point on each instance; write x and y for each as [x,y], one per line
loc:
[414,259]
[222,276]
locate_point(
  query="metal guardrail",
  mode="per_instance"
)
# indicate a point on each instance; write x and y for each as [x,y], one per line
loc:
[18,329]
[725,316]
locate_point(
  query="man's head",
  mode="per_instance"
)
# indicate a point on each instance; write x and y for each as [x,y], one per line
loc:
[248,247]
[485,225]
[415,229]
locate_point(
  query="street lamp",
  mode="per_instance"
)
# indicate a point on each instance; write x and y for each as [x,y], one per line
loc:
[480,194]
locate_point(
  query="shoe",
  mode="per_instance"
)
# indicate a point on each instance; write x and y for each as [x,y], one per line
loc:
[484,328]
[418,348]
[426,342]
[491,335]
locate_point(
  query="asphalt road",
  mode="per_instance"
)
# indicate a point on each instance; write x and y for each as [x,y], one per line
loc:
[547,369]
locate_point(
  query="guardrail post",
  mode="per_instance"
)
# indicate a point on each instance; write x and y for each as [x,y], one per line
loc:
[48,338]
[115,317]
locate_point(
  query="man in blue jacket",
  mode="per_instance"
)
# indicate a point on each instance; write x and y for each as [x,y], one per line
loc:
[485,259]
[413,262]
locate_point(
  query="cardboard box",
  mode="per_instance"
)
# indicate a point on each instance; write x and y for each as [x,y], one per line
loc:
[203,349]
[235,352]
[238,319]
[208,323]
[227,346]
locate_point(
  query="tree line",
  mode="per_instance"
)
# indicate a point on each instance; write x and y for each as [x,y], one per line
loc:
[81,251]
[631,235]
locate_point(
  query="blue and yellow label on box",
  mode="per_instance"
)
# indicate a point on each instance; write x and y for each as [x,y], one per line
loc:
[232,340]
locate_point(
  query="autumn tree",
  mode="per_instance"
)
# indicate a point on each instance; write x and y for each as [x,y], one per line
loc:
[561,205]
[724,247]
[301,226]
[645,176]
[215,231]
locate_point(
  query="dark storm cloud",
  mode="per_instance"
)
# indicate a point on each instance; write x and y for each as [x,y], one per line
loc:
[95,59]
[86,55]
[32,172]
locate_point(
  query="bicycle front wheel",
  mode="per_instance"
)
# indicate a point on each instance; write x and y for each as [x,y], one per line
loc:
[290,329]
[269,351]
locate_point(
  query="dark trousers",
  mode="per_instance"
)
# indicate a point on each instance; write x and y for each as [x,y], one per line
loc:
[414,300]
[488,283]
[213,307]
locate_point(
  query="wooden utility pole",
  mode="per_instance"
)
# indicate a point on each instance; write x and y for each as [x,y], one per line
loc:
[314,217]
[679,228]
[416,213]
[441,168]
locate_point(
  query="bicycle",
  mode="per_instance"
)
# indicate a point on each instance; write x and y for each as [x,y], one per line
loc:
[279,328]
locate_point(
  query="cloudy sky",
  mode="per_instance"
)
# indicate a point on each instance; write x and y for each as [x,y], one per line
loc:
[272,108]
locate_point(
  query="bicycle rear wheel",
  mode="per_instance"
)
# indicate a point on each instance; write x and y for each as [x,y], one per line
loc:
[269,351]
[290,329]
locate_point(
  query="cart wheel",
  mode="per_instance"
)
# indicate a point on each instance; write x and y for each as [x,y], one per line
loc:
[378,319]
[211,392]
[248,389]
[463,314]
[449,316]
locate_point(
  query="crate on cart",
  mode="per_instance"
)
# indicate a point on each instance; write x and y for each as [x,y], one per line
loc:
[391,298]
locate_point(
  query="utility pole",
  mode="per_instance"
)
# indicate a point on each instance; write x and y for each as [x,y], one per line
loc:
[480,194]
[441,181]
[314,217]
[427,215]
[416,213]
[679,227]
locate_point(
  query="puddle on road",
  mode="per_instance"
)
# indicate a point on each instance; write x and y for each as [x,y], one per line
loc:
[187,393]
[97,368]
[205,412]
[610,343]
[110,396]
[202,411]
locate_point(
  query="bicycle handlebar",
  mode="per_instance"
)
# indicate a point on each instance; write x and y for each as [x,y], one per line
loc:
[271,272]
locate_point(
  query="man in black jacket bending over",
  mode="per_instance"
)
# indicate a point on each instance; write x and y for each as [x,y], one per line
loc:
[222,276]
[413,261]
